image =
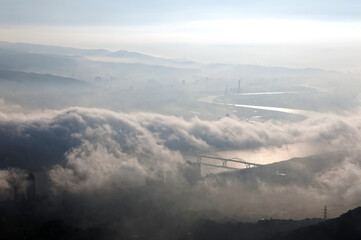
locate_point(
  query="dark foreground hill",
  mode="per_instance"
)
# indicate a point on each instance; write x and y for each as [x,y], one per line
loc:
[38,220]
[264,229]
[347,226]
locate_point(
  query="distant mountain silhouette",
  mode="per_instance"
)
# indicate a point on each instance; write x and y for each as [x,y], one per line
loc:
[35,78]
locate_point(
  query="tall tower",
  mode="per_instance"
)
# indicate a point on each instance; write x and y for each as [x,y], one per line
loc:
[30,186]
[325,213]
[239,87]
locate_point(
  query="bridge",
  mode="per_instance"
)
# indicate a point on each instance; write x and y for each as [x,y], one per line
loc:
[225,161]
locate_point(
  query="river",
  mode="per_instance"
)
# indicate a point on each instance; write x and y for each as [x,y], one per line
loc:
[270,154]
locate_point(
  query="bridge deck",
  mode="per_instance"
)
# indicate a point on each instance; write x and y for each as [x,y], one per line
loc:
[224,162]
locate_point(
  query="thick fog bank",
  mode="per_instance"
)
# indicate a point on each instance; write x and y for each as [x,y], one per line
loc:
[97,152]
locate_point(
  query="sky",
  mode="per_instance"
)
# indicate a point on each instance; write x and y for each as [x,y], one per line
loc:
[298,33]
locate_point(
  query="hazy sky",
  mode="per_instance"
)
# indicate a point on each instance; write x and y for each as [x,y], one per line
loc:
[296,33]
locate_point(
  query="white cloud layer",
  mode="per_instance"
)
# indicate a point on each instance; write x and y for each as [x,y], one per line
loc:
[87,150]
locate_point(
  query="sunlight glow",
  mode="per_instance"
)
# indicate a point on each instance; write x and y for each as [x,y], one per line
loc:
[220,31]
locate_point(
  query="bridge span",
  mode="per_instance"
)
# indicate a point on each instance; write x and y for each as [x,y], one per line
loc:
[225,161]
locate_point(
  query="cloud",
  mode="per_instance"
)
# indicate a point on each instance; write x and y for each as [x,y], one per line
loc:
[86,150]
[9,179]
[9,108]
[92,167]
[343,181]
[42,139]
[4,184]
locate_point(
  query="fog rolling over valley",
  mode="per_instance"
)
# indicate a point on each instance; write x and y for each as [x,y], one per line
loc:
[194,120]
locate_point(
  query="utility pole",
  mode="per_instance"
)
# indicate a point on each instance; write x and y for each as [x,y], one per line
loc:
[325,213]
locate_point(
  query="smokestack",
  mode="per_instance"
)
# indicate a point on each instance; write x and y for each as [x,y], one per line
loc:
[239,86]
[30,186]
